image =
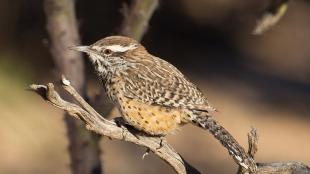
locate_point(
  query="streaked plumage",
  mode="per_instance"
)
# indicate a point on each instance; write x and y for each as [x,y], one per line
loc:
[153,95]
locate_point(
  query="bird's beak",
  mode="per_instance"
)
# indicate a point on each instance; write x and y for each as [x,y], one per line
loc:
[84,49]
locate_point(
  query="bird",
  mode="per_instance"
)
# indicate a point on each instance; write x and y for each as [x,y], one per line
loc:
[152,95]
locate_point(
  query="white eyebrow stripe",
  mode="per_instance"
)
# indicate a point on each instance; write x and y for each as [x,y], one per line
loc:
[120,48]
[97,48]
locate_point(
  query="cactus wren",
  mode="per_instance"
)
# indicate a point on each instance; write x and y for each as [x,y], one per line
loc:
[154,96]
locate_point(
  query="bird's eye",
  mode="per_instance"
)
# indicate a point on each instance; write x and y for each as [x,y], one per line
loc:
[107,51]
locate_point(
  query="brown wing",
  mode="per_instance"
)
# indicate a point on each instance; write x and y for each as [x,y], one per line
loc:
[158,82]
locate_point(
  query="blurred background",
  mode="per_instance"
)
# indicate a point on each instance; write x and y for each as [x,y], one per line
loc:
[260,81]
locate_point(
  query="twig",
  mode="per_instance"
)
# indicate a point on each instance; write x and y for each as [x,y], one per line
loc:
[62,28]
[253,142]
[137,17]
[273,168]
[100,125]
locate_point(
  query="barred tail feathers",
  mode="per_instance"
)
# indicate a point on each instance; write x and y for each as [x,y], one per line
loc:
[220,133]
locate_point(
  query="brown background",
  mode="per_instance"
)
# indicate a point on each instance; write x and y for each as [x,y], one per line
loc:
[261,81]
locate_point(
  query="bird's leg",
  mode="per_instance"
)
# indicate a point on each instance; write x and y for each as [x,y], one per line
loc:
[161,143]
[121,122]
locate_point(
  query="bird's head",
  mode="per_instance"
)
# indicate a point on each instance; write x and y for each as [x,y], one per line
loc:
[113,53]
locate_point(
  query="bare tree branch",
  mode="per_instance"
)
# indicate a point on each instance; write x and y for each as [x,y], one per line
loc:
[137,18]
[100,125]
[283,168]
[62,28]
[159,146]
[273,168]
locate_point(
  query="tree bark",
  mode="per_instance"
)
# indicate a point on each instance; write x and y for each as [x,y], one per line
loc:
[137,17]
[62,28]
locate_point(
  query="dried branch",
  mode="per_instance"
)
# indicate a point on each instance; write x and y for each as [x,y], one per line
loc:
[273,168]
[62,28]
[283,168]
[253,142]
[111,129]
[159,146]
[137,18]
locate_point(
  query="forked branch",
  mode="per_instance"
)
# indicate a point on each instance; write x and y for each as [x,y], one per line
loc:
[276,167]
[97,123]
[159,146]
